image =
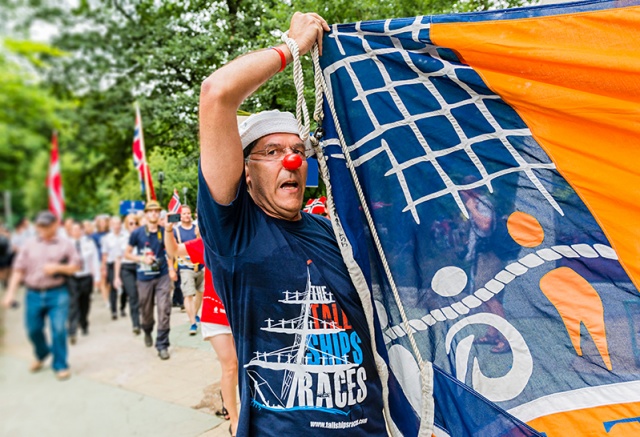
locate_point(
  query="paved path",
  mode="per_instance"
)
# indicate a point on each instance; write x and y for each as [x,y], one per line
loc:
[118,386]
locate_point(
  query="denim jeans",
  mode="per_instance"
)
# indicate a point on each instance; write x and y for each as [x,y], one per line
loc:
[54,304]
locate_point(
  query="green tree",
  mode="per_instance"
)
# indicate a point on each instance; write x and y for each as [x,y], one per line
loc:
[158,53]
[30,113]
[118,58]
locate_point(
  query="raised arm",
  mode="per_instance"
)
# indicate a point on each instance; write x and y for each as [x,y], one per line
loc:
[173,247]
[224,91]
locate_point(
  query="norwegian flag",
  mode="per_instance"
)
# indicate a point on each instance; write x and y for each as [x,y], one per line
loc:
[174,204]
[54,181]
[139,157]
[316,206]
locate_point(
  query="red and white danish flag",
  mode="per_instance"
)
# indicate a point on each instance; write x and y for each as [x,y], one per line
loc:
[54,180]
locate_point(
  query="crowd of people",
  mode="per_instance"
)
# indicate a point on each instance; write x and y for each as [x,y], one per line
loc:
[268,258]
[119,264]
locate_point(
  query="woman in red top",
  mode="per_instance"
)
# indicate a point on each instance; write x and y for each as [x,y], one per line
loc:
[215,326]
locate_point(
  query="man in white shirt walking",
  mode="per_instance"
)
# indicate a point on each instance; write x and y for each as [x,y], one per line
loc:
[111,248]
[125,275]
[82,283]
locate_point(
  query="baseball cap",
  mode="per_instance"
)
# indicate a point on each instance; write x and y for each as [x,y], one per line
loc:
[45,218]
[151,205]
[267,123]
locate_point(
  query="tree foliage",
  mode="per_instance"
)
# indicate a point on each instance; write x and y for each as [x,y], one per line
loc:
[30,112]
[156,53]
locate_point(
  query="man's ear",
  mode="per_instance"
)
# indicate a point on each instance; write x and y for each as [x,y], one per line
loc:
[247,175]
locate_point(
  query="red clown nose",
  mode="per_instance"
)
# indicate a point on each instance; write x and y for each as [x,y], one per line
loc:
[292,161]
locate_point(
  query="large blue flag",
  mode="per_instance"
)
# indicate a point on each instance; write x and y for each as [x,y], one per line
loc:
[483,169]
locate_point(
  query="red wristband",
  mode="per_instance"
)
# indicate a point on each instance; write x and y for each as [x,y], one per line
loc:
[283,58]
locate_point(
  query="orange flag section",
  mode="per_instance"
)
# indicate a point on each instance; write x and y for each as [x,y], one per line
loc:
[525,229]
[575,81]
[577,302]
[583,422]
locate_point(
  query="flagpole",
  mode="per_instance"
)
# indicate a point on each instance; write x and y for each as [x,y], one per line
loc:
[145,165]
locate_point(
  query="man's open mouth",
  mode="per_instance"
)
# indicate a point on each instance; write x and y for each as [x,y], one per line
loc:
[290,185]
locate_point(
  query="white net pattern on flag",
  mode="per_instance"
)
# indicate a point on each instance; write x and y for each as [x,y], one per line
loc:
[410,118]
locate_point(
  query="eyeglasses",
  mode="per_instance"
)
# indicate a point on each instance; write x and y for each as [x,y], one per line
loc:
[276,153]
[132,223]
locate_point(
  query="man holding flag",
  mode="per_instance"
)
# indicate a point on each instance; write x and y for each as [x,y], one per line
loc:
[279,271]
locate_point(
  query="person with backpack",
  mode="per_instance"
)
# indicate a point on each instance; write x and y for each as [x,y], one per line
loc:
[154,277]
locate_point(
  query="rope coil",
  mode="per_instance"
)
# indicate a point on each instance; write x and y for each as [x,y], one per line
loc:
[302,113]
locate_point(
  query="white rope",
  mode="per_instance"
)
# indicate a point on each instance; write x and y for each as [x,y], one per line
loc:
[302,112]
[318,113]
[426,371]
[321,90]
[359,282]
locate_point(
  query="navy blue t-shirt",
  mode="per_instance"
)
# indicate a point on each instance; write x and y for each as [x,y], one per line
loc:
[306,366]
[97,239]
[144,240]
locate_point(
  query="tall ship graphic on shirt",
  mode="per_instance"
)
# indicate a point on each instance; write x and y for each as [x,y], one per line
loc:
[321,370]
